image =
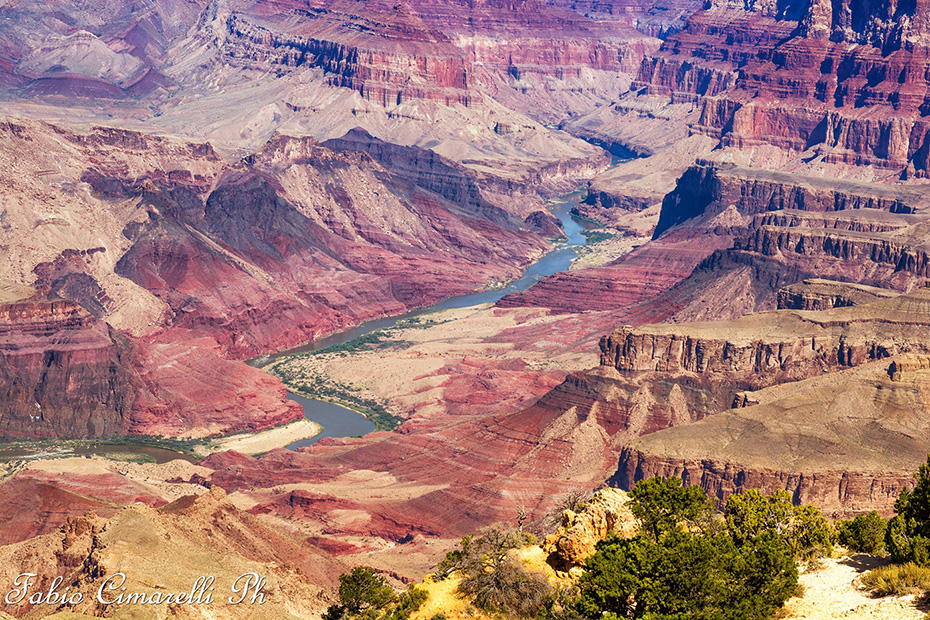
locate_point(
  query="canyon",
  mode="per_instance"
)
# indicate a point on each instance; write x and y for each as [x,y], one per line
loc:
[188,185]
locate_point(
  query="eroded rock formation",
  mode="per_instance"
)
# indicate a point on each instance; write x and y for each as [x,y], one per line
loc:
[62,372]
[604,513]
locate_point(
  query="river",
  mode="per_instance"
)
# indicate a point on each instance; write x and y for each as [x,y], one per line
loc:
[341,422]
[338,421]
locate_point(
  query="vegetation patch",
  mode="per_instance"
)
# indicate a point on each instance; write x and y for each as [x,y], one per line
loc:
[364,594]
[320,388]
[596,236]
[379,339]
[897,580]
[864,534]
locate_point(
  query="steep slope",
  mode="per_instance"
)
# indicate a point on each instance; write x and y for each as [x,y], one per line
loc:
[165,551]
[839,82]
[201,260]
[844,437]
[62,371]
[479,82]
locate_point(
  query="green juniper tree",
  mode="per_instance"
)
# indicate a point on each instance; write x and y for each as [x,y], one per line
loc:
[366,595]
[865,533]
[908,535]
[685,565]
[803,528]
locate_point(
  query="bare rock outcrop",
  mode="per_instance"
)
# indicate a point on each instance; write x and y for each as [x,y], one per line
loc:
[819,294]
[604,513]
[164,551]
[63,373]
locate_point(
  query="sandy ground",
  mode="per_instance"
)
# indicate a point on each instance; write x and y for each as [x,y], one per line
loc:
[265,441]
[414,377]
[830,592]
[606,251]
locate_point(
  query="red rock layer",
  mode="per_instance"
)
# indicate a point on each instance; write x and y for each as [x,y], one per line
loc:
[426,50]
[707,189]
[184,382]
[31,508]
[62,372]
[819,294]
[292,243]
[526,456]
[841,77]
[289,272]
[630,282]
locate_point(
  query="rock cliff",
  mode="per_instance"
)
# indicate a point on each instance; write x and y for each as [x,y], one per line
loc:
[831,411]
[817,294]
[774,346]
[605,513]
[846,442]
[794,76]
[62,372]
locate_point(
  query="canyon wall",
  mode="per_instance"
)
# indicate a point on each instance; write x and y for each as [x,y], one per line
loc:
[171,243]
[62,372]
[837,493]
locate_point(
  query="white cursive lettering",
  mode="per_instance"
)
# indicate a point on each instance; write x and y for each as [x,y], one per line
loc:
[250,581]
[21,588]
[110,586]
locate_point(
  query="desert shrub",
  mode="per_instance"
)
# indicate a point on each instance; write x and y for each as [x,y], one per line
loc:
[897,579]
[491,548]
[688,575]
[492,580]
[560,604]
[505,587]
[803,528]
[681,565]
[364,594]
[407,603]
[864,534]
[907,537]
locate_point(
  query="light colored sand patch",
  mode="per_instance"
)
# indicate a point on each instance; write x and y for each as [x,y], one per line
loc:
[265,441]
[74,465]
[13,291]
[829,593]
[603,252]
[379,487]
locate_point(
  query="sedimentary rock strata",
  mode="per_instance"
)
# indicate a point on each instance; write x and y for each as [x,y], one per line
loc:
[783,343]
[176,245]
[818,294]
[846,442]
[62,372]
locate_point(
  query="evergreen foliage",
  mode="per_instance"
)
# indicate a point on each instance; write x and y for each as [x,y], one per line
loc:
[684,565]
[803,528]
[364,594]
[864,534]
[907,538]
[665,505]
